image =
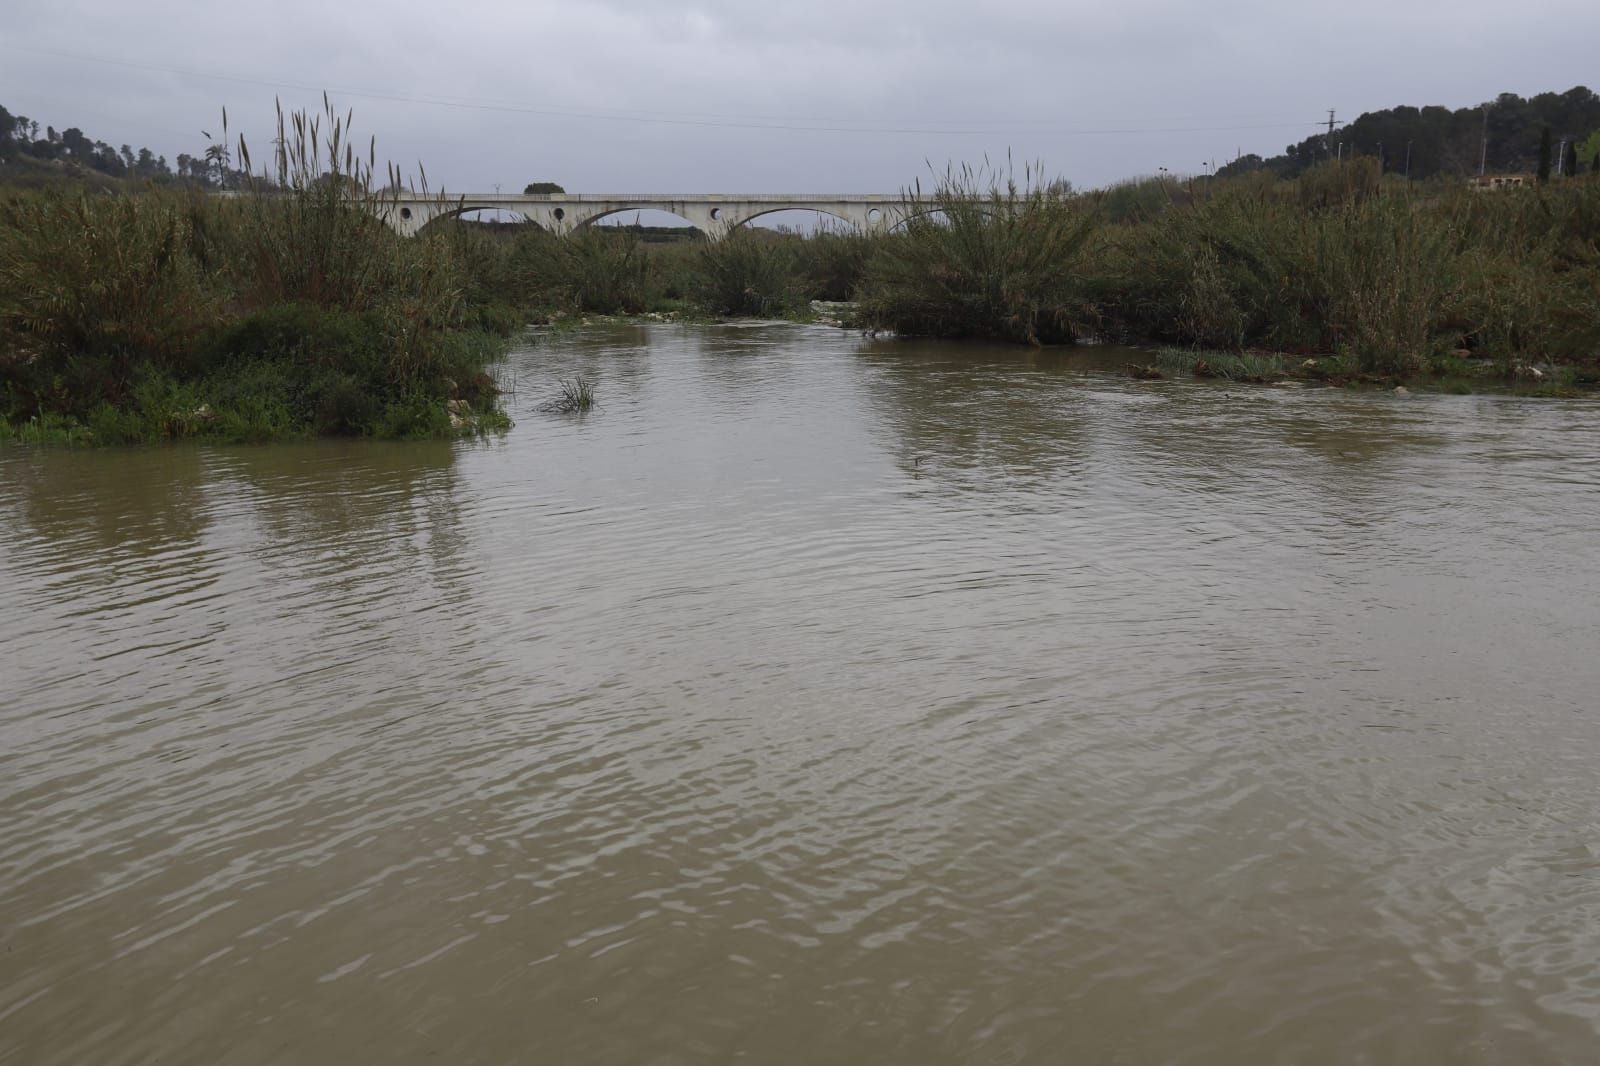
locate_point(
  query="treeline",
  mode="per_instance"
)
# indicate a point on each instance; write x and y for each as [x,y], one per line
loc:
[70,152]
[1436,141]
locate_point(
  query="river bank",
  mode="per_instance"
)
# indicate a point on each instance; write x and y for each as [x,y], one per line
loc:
[160,314]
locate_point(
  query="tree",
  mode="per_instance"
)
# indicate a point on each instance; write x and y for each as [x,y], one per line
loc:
[1569,164]
[1245,164]
[1544,155]
[76,144]
[1447,140]
[542,188]
[217,161]
[192,169]
[1589,148]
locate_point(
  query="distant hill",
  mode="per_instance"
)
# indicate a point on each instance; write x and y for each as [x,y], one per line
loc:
[1440,142]
[31,155]
[1446,142]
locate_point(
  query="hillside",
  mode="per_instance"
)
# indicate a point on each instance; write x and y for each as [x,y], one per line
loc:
[34,155]
[1451,142]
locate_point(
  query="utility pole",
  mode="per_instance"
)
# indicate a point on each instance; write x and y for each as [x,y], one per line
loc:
[1561,156]
[1408,160]
[1483,160]
[1330,122]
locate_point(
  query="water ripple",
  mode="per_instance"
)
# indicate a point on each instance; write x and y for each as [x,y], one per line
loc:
[813,699]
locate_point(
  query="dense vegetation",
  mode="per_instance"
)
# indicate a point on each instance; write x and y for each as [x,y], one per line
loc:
[1390,279]
[163,312]
[156,310]
[1502,135]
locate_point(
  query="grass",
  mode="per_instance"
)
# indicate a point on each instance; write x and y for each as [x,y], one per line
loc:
[1258,367]
[576,397]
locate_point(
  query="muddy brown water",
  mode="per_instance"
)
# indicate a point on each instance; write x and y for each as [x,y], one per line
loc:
[814,700]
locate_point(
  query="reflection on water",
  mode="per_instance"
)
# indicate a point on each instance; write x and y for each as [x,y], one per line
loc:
[813,699]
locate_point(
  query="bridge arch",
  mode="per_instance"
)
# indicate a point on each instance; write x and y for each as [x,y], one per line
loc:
[589,220]
[418,219]
[905,216]
[783,209]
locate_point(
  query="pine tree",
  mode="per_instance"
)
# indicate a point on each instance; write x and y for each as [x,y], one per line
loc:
[1544,155]
[1570,162]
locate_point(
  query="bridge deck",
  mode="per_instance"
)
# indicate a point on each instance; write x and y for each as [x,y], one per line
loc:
[672,197]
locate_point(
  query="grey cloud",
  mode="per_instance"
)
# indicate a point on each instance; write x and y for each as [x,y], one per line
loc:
[674,89]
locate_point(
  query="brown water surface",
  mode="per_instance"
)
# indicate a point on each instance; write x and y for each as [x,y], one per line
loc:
[813,700]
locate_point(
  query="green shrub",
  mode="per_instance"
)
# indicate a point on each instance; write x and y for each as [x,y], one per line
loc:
[834,264]
[90,290]
[599,270]
[1000,261]
[749,273]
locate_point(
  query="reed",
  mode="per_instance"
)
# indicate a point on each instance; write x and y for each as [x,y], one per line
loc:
[91,289]
[576,397]
[833,263]
[995,257]
[599,270]
[1370,279]
[284,307]
[749,274]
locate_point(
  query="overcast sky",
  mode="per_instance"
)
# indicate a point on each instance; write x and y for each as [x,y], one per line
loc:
[818,96]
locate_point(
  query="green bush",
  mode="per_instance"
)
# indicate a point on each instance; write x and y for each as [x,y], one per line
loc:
[91,289]
[1392,280]
[597,270]
[1002,261]
[834,264]
[749,274]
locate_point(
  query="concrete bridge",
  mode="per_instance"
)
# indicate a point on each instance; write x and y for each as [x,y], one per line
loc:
[713,214]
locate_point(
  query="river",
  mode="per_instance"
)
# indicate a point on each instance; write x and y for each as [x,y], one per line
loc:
[813,699]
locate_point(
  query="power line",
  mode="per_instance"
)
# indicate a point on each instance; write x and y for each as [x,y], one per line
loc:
[644,118]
